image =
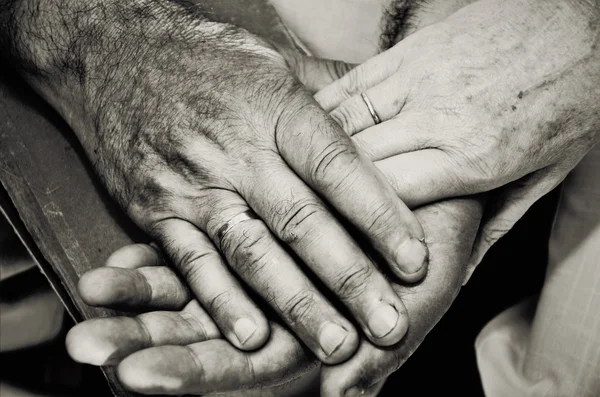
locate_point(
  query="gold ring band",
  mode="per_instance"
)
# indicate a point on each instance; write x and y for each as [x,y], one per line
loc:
[226,228]
[372,110]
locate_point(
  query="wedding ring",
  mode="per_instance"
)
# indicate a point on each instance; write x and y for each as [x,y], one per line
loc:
[236,220]
[372,110]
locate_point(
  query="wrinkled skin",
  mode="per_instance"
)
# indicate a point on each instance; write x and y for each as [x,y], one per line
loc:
[500,95]
[455,151]
[190,124]
[147,366]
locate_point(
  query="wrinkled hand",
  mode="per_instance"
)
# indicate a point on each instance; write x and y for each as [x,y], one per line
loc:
[136,279]
[201,363]
[499,93]
[190,124]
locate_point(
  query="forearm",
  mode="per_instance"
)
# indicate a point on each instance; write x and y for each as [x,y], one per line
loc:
[115,70]
[95,60]
[60,37]
[68,50]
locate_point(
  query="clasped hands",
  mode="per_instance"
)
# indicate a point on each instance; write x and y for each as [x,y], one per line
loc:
[449,130]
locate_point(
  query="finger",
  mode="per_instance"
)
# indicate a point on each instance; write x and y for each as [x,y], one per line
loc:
[317,73]
[134,256]
[314,73]
[421,164]
[257,257]
[300,219]
[145,288]
[392,138]
[378,365]
[386,98]
[358,80]
[506,206]
[415,167]
[451,227]
[214,366]
[333,167]
[422,177]
[106,341]
[238,317]
[429,175]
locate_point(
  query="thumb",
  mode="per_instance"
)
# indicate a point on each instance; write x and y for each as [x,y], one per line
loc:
[506,206]
[314,73]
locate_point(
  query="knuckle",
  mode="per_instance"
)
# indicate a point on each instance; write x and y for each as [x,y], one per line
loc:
[294,219]
[151,192]
[298,306]
[219,211]
[203,330]
[221,302]
[353,281]
[154,220]
[192,262]
[337,69]
[199,371]
[334,164]
[341,69]
[378,220]
[293,113]
[346,116]
[352,83]
[248,248]
[144,329]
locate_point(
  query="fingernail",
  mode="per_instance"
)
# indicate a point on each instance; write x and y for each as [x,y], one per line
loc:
[244,329]
[383,321]
[412,255]
[331,337]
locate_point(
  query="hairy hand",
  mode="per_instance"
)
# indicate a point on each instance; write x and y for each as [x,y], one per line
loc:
[190,125]
[500,95]
[154,359]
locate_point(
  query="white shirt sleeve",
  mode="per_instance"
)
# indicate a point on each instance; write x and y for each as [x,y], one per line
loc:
[550,346]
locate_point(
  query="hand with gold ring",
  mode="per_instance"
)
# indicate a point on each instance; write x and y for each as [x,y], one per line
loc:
[484,100]
[213,148]
[173,346]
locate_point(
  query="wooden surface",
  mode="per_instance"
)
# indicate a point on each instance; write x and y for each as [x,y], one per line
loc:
[60,212]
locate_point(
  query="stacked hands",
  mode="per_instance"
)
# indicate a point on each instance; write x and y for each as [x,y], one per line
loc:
[284,215]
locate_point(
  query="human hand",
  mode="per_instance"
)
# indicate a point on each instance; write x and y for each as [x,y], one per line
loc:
[137,280]
[191,124]
[148,366]
[450,227]
[498,95]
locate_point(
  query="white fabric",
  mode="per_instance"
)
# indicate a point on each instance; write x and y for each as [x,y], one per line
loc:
[550,346]
[347,30]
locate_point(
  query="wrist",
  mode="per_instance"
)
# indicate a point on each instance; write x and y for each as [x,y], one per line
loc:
[78,52]
[46,38]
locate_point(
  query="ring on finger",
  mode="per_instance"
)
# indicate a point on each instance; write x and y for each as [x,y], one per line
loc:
[228,226]
[372,110]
